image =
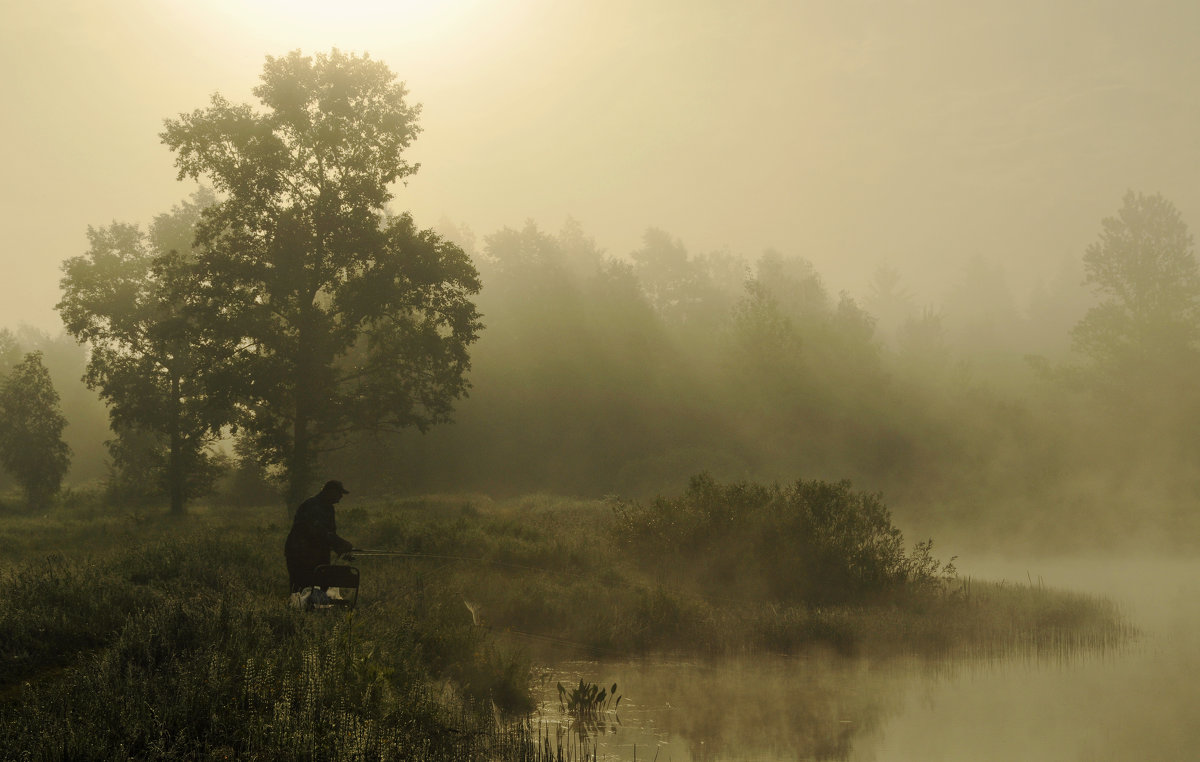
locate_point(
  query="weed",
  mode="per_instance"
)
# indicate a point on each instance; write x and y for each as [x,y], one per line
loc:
[587,699]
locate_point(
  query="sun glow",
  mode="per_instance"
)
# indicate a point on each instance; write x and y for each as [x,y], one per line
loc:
[351,14]
[421,26]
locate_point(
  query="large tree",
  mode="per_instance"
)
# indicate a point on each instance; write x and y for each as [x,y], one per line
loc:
[31,424]
[351,318]
[155,358]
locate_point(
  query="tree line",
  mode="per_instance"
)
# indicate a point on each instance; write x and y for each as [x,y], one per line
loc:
[627,375]
[284,309]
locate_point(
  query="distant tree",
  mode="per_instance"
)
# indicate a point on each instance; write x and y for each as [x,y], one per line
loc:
[1146,327]
[580,253]
[853,330]
[692,294]
[680,286]
[837,337]
[459,234]
[583,383]
[795,284]
[629,334]
[982,322]
[536,294]
[539,357]
[765,344]
[31,426]
[921,348]
[351,319]
[155,358]
[889,300]
[10,355]
[66,360]
[10,351]
[665,270]
[1055,306]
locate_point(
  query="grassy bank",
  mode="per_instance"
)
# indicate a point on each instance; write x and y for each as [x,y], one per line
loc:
[132,637]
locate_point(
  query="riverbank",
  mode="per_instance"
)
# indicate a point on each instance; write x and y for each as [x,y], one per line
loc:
[171,638]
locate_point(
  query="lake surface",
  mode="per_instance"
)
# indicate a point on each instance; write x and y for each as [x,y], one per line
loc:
[1139,702]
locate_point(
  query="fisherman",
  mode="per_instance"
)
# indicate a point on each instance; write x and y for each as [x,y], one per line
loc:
[313,536]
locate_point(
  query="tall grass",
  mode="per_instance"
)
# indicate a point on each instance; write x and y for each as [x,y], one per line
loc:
[685,574]
[172,639]
[186,649]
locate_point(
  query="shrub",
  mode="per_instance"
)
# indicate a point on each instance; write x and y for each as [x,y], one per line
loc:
[812,541]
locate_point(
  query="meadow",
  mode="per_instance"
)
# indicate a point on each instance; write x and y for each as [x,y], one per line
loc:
[127,635]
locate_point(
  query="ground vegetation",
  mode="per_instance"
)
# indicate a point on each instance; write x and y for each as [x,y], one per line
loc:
[152,636]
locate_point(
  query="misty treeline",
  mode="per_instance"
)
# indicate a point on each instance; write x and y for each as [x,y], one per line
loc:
[1072,408]
[282,324]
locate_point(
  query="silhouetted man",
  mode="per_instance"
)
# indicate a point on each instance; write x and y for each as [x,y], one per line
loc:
[314,535]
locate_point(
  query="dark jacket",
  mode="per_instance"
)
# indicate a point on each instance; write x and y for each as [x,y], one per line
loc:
[313,536]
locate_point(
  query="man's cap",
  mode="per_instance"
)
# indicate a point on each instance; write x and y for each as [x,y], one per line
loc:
[333,485]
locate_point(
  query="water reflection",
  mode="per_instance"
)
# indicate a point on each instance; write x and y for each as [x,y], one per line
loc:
[761,708]
[1132,703]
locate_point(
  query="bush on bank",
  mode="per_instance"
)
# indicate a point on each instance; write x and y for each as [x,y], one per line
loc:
[810,542]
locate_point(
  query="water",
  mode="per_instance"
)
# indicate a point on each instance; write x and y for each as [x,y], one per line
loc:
[1141,702]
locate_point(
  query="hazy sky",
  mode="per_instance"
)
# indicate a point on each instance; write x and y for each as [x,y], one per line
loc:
[919,134]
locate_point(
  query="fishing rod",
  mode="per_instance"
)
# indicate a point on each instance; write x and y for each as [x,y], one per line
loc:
[376,553]
[381,553]
[371,552]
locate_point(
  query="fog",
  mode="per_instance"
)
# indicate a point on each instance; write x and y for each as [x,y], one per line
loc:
[1125,705]
[911,186]
[766,241]
[916,134]
[933,169]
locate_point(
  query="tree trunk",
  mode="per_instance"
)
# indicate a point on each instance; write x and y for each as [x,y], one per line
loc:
[175,466]
[300,468]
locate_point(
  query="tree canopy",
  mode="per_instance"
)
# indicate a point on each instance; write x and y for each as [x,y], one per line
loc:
[349,318]
[156,360]
[1146,327]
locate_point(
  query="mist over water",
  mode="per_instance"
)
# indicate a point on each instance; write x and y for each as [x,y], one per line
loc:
[1133,703]
[1136,701]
